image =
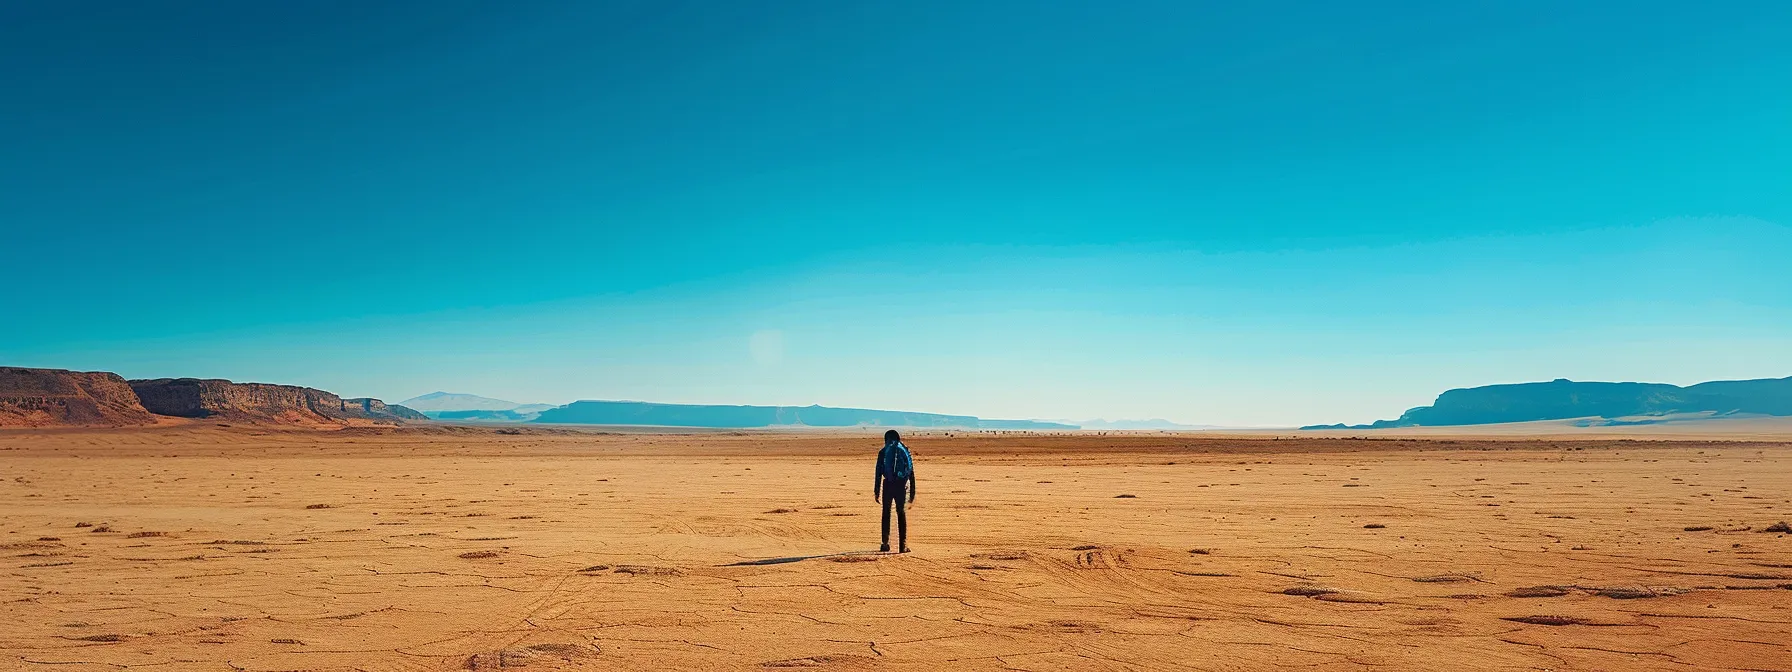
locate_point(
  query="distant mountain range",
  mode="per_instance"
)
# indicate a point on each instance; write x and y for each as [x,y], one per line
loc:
[1154,423]
[454,401]
[457,406]
[1563,399]
[694,415]
[474,408]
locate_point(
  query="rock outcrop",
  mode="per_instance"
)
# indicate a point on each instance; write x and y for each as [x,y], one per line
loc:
[374,408]
[260,402]
[53,397]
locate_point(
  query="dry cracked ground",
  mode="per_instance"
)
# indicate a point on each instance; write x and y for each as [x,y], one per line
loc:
[231,548]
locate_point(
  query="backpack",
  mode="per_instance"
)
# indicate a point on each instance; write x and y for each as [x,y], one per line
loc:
[902,465]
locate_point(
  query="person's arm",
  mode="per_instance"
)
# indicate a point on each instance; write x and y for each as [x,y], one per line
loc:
[911,483]
[877,480]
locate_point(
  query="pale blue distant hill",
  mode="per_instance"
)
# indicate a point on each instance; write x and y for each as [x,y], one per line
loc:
[1151,424]
[719,416]
[454,401]
[472,407]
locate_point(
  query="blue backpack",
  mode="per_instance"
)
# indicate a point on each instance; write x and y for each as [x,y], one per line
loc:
[901,464]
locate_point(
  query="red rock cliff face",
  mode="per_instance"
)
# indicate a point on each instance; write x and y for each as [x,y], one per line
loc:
[52,397]
[255,402]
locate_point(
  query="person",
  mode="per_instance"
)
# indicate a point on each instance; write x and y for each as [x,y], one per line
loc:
[895,474]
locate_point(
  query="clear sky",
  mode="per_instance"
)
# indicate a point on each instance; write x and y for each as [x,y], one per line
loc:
[1225,213]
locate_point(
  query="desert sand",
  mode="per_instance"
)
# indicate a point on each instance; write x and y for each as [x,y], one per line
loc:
[199,547]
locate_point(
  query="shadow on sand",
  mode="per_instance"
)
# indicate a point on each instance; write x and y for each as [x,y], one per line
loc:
[800,558]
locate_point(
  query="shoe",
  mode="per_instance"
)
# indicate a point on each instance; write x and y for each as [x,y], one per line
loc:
[904,549]
[884,548]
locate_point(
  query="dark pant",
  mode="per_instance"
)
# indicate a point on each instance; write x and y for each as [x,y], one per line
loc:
[896,492]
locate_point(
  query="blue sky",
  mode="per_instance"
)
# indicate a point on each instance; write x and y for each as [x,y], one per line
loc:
[1281,214]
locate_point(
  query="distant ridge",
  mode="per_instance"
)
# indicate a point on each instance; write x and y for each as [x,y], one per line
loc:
[472,407]
[717,416]
[262,403]
[1152,424]
[454,401]
[1563,399]
[61,398]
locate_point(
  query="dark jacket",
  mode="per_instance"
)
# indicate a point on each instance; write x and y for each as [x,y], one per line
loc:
[886,471]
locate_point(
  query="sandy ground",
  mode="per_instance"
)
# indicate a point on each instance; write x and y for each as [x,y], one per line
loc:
[203,548]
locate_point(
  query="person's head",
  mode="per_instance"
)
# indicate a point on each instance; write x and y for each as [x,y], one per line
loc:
[891,437]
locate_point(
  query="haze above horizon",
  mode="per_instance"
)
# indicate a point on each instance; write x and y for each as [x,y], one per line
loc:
[1282,214]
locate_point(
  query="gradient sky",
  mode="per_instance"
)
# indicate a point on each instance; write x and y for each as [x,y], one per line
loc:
[1279,214]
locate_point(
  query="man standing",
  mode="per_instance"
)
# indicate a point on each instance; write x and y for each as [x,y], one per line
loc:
[895,474]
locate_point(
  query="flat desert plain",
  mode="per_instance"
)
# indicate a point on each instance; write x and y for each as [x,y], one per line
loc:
[232,548]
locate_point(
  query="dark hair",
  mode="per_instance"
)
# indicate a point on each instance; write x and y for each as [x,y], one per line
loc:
[891,436]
